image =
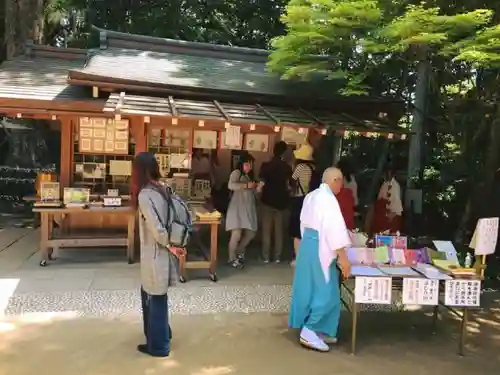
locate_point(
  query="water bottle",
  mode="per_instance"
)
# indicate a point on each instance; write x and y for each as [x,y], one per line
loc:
[468,261]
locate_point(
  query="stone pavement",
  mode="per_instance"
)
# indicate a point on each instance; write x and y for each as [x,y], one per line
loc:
[81,315]
[239,344]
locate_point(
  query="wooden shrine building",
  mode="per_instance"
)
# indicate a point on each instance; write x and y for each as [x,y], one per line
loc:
[168,97]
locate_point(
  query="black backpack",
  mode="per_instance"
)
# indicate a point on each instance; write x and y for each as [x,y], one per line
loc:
[315,180]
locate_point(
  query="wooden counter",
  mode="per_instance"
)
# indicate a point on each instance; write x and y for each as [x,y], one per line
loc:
[51,240]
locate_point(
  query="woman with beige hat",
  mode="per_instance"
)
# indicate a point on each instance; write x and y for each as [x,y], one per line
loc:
[301,185]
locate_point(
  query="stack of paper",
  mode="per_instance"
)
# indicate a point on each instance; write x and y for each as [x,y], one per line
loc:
[397,256]
[446,265]
[431,272]
[358,239]
[398,271]
[398,242]
[381,255]
[448,249]
[414,256]
[382,240]
[366,271]
[361,255]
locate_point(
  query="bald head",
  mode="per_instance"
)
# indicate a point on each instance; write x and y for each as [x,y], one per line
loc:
[333,177]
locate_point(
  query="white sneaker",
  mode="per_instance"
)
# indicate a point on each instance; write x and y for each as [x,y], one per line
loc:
[328,339]
[292,263]
[277,261]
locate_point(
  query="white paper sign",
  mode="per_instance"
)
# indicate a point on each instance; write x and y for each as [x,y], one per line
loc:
[486,236]
[448,248]
[232,137]
[418,291]
[376,290]
[465,293]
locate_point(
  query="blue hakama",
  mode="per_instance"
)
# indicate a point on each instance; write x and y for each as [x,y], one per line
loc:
[315,302]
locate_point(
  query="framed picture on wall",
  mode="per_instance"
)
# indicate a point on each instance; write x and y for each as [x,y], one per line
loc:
[205,139]
[256,142]
[294,136]
[223,144]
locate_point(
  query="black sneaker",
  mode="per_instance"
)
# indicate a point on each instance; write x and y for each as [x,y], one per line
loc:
[236,264]
[241,258]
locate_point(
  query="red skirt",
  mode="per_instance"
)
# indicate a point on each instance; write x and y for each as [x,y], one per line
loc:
[380,221]
[345,199]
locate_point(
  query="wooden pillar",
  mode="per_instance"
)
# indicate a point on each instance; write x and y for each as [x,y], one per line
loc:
[67,136]
[139,130]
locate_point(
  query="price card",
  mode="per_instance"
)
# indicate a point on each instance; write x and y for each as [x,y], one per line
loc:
[466,293]
[376,290]
[419,291]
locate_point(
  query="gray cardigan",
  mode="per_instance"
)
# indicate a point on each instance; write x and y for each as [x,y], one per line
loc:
[158,264]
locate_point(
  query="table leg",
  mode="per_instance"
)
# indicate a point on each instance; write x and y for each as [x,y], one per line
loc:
[130,239]
[51,251]
[435,315]
[463,331]
[182,268]
[354,330]
[214,235]
[44,237]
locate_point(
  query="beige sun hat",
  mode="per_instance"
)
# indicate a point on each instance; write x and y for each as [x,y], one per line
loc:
[304,152]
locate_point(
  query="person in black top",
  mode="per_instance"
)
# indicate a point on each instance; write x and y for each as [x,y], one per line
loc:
[275,176]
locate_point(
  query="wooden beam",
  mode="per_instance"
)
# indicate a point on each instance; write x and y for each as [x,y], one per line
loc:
[308,114]
[67,134]
[355,120]
[173,108]
[221,110]
[119,103]
[268,114]
[27,112]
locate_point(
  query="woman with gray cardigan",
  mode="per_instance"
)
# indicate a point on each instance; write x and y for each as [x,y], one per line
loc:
[159,261]
[241,217]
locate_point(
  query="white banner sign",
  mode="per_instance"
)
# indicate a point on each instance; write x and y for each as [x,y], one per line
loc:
[377,290]
[485,236]
[233,137]
[418,291]
[466,293]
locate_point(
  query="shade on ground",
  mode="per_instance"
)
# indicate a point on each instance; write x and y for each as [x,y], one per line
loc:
[240,344]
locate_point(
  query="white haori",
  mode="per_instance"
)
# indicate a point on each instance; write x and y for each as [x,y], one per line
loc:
[321,212]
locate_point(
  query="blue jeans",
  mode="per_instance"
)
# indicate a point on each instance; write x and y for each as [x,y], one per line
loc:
[156,326]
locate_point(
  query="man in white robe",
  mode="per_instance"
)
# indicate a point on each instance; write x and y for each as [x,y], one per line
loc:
[315,305]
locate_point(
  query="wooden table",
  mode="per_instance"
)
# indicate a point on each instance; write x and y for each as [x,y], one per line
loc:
[50,242]
[462,313]
[211,263]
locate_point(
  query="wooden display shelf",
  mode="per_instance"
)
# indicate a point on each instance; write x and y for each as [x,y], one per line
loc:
[50,241]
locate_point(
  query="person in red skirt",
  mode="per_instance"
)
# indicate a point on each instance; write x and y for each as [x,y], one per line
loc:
[388,208]
[345,198]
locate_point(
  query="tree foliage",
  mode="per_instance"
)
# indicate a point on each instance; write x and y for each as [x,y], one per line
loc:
[353,39]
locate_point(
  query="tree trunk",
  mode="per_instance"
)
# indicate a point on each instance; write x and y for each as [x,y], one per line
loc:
[483,188]
[23,22]
[420,106]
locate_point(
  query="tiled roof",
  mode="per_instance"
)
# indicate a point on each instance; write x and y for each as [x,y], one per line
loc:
[41,74]
[115,39]
[164,69]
